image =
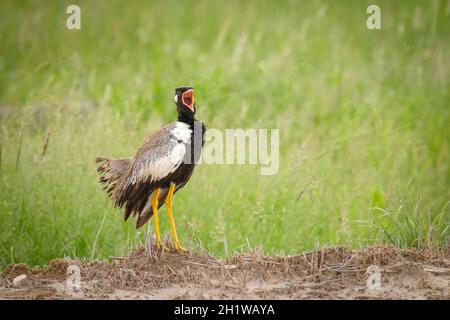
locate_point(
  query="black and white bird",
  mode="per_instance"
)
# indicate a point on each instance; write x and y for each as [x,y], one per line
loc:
[161,167]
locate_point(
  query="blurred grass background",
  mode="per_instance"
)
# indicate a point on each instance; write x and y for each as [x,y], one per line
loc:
[363,118]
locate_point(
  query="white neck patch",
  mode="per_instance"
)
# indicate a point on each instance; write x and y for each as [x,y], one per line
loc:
[182,132]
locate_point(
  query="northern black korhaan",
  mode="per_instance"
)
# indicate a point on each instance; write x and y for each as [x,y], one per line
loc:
[161,167]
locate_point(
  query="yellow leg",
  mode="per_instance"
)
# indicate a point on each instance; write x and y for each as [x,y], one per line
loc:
[155,218]
[176,242]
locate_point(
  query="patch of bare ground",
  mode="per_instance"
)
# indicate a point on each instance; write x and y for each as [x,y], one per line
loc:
[329,273]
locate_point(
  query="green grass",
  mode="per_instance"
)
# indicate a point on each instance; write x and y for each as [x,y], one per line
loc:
[363,118]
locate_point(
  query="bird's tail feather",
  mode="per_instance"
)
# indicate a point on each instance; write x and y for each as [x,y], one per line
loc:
[111,170]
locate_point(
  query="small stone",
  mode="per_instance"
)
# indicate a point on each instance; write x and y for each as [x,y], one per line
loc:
[20,281]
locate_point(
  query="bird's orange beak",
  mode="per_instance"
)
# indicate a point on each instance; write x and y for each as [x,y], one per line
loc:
[188,99]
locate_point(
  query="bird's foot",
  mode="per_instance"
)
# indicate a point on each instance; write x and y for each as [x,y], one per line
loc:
[162,247]
[178,247]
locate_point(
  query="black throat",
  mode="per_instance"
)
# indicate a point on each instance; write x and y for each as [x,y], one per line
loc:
[186,117]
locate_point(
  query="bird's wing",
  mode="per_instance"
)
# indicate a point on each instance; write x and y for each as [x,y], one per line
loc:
[160,155]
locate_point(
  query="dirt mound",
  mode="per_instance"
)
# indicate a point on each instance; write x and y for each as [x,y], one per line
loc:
[56,270]
[337,273]
[15,270]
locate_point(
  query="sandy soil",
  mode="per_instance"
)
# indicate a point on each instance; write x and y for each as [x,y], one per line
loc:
[333,273]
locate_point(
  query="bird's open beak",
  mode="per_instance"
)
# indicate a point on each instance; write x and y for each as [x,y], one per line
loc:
[188,99]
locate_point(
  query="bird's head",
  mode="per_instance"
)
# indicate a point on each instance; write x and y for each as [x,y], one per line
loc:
[184,99]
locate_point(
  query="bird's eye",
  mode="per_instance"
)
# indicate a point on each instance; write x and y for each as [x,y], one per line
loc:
[175,98]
